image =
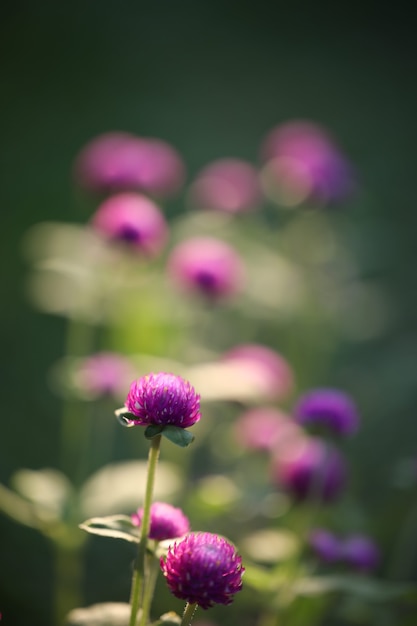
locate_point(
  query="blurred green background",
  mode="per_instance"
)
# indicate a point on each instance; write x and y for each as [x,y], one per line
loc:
[210,77]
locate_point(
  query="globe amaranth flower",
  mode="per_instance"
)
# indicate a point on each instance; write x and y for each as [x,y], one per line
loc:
[265,429]
[310,469]
[360,552]
[133,219]
[303,163]
[206,266]
[330,408]
[163,399]
[118,161]
[226,185]
[203,568]
[325,545]
[167,521]
[103,373]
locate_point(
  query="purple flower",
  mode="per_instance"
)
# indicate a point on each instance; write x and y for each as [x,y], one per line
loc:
[204,569]
[167,522]
[265,429]
[303,163]
[122,162]
[134,220]
[163,399]
[360,552]
[331,408]
[310,469]
[265,367]
[207,266]
[325,545]
[103,373]
[228,185]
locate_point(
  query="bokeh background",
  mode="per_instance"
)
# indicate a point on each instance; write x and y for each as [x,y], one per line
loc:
[210,77]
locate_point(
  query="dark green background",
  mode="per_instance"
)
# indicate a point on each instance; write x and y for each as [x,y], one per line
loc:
[211,77]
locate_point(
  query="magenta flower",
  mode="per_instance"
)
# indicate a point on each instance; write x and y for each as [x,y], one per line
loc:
[203,568]
[134,220]
[163,399]
[330,408]
[104,373]
[303,163]
[265,367]
[118,161]
[167,521]
[325,545]
[227,185]
[206,266]
[310,469]
[265,429]
[360,552]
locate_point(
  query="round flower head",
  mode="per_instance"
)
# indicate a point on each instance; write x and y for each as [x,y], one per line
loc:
[228,185]
[134,220]
[325,545]
[304,163]
[207,266]
[163,399]
[104,373]
[310,469]
[122,162]
[204,569]
[268,369]
[360,552]
[167,522]
[330,408]
[264,429]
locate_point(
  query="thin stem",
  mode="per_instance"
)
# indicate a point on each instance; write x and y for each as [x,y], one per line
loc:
[149,589]
[190,609]
[139,571]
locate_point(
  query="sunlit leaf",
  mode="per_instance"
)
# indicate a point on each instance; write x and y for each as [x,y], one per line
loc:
[115,526]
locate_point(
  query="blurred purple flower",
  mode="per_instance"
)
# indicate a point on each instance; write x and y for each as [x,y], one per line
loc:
[227,185]
[360,552]
[271,372]
[104,373]
[310,469]
[331,408]
[207,266]
[325,545]
[163,399]
[303,163]
[120,161]
[133,219]
[204,569]
[167,521]
[264,429]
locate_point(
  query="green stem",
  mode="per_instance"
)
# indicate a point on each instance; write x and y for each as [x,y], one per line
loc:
[190,609]
[149,589]
[139,571]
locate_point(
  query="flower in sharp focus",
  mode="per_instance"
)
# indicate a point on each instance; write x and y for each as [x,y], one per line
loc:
[134,220]
[360,552]
[325,545]
[167,521]
[118,161]
[227,185]
[330,408]
[104,373]
[265,429]
[303,163]
[163,399]
[203,568]
[310,469]
[206,266]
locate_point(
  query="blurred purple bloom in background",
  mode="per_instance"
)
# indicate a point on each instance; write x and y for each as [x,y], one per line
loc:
[167,521]
[163,399]
[325,545]
[207,266]
[264,429]
[133,219]
[104,373]
[310,469]
[228,185]
[304,164]
[360,552]
[203,568]
[121,162]
[330,408]
[271,371]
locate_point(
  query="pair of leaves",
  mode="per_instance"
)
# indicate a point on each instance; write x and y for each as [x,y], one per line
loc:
[175,434]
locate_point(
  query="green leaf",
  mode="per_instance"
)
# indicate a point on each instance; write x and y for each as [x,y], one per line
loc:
[179,436]
[153,430]
[116,526]
[125,418]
